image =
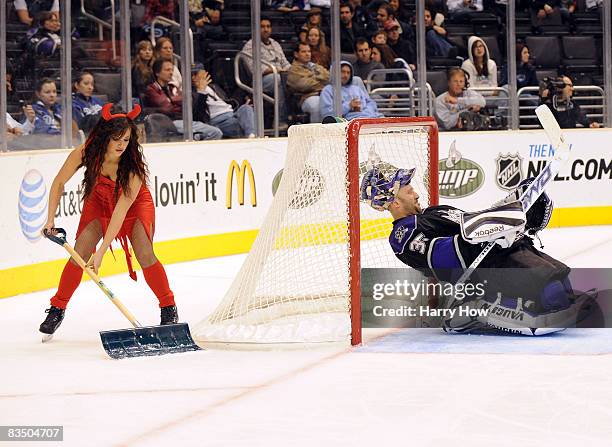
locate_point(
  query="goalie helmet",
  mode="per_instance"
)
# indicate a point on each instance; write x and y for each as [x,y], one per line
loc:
[379,190]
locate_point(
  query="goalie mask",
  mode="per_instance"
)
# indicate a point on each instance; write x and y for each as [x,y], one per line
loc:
[379,190]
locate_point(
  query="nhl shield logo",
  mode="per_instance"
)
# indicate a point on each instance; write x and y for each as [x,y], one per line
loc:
[509,171]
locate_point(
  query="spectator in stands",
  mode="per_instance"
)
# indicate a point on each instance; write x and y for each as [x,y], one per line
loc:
[481,68]
[356,103]
[384,14]
[320,53]
[461,10]
[142,73]
[206,21]
[45,40]
[544,12]
[525,71]
[402,48]
[593,5]
[209,106]
[165,50]
[85,107]
[287,5]
[458,99]
[307,79]
[568,113]
[154,8]
[166,98]
[401,14]
[26,127]
[47,108]
[302,36]
[364,64]
[436,41]
[380,37]
[313,19]
[568,8]
[350,29]
[272,53]
[384,54]
[27,10]
[362,18]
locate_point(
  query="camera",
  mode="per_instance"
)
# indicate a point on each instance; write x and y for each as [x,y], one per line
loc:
[554,86]
[474,121]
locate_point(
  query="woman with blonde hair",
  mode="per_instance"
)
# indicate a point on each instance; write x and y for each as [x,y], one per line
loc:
[320,53]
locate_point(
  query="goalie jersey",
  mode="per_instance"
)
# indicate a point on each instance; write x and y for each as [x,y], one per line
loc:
[431,242]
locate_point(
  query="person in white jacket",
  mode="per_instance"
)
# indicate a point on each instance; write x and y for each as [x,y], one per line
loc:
[481,68]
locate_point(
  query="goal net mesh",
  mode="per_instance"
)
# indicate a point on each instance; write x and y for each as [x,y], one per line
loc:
[294,286]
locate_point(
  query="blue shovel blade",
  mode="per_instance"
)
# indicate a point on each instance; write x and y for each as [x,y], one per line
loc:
[148,341]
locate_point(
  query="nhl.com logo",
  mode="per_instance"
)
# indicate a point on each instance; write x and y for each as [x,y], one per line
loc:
[32,205]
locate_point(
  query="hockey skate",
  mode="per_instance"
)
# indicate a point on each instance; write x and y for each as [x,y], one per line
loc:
[55,316]
[169,315]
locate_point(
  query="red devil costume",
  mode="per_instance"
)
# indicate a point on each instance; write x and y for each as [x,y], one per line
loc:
[99,205]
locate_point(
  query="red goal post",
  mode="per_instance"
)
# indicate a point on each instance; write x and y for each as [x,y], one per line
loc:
[354,130]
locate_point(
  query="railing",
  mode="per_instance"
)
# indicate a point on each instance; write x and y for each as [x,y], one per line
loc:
[372,82]
[401,101]
[102,24]
[242,56]
[529,99]
[166,21]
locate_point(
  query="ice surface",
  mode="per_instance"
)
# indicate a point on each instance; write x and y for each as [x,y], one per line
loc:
[421,388]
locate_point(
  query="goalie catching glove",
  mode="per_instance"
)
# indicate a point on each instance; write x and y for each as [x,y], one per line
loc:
[539,214]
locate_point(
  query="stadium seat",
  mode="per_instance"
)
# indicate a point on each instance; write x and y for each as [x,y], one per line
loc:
[580,53]
[108,84]
[437,81]
[545,50]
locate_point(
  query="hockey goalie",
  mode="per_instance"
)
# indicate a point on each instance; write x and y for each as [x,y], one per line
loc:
[527,291]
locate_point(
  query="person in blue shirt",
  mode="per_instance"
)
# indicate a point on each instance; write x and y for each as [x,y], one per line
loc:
[85,107]
[47,108]
[356,103]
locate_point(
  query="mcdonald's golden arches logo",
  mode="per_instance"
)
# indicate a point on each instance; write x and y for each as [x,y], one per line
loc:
[243,170]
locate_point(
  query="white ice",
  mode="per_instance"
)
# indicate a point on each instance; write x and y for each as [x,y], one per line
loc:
[447,392]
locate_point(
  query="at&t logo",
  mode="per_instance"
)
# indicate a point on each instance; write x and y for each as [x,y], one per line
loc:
[32,205]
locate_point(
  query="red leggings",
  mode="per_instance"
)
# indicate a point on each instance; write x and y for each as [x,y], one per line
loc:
[155,276]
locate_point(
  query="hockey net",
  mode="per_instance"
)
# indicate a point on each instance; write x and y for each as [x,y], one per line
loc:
[300,280]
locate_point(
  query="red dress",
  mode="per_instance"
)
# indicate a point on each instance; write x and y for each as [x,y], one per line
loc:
[100,205]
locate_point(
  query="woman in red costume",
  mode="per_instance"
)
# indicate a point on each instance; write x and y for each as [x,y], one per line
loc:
[117,205]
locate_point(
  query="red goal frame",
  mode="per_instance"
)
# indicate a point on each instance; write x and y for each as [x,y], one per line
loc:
[352,132]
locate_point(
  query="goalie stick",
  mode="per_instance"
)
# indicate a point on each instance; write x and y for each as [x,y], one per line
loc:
[536,188]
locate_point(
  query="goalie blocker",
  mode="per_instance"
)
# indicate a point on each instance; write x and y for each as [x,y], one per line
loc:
[442,241]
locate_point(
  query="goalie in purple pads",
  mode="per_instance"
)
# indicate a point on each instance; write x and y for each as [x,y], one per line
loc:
[442,241]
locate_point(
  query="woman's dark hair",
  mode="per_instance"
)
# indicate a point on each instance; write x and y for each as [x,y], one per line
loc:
[41,82]
[519,50]
[44,16]
[484,71]
[78,78]
[158,64]
[131,162]
[387,55]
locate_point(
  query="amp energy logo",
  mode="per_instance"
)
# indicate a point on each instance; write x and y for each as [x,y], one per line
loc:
[458,176]
[32,205]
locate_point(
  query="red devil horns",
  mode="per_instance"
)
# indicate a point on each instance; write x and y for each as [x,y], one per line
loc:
[106,112]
